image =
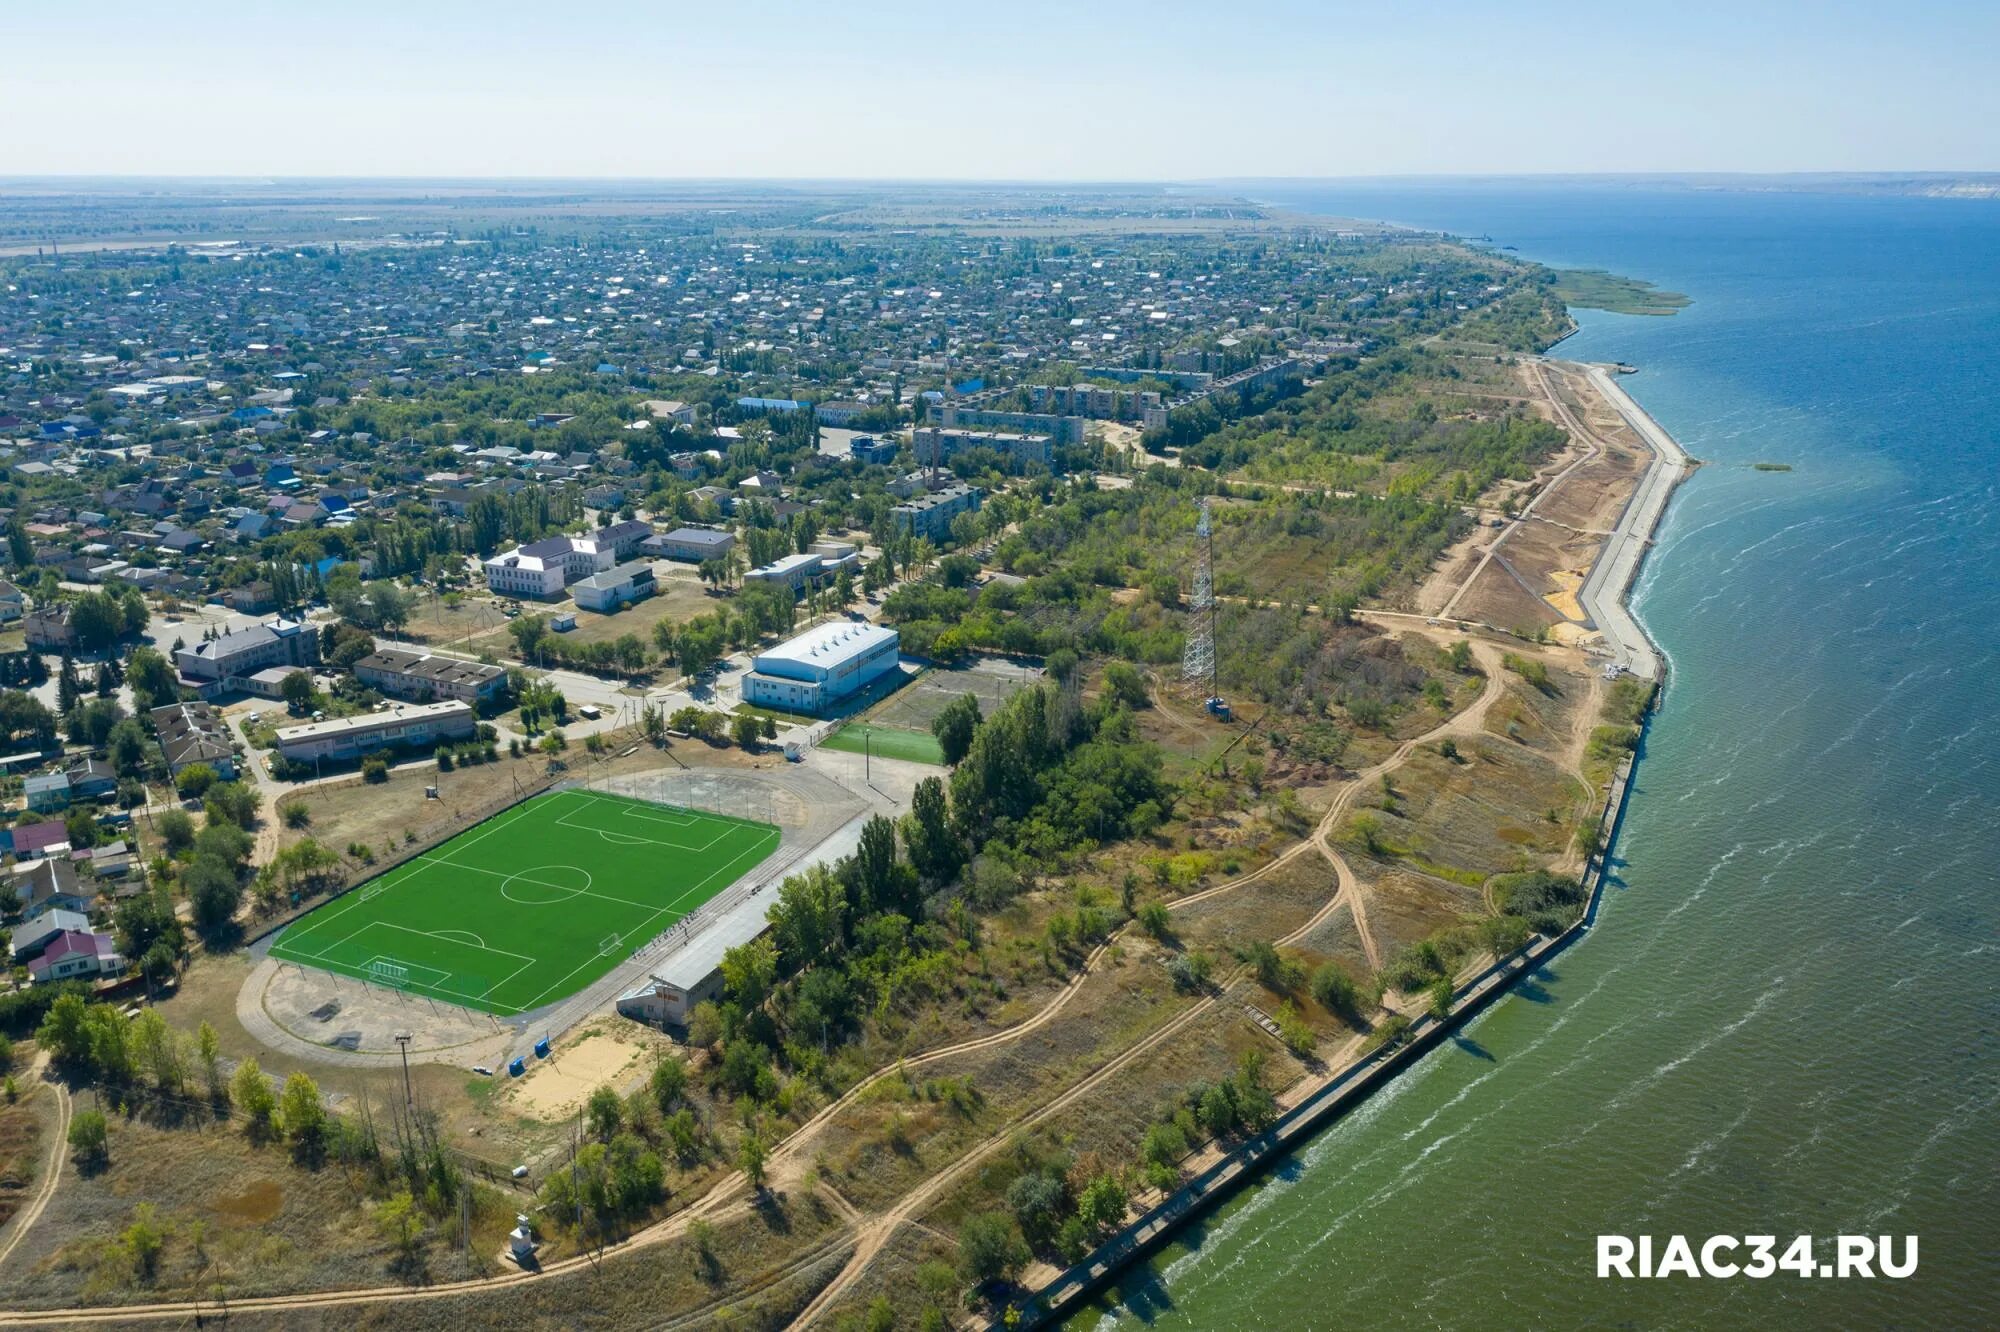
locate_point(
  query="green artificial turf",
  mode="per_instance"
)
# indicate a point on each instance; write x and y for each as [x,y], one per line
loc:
[886,742]
[534,903]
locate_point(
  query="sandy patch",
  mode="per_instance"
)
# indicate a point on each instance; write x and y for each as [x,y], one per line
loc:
[554,1088]
[1568,583]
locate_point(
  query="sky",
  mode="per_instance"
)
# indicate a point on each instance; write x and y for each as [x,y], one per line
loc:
[1015,89]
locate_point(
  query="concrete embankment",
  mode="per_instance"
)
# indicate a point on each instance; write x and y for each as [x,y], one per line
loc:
[1339,1093]
[1603,593]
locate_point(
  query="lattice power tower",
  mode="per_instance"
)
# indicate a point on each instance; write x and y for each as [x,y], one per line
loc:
[1198,664]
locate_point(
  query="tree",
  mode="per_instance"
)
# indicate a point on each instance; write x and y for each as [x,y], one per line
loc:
[215,893]
[297,691]
[808,922]
[955,726]
[253,1096]
[744,730]
[143,1240]
[151,678]
[208,1058]
[668,1082]
[128,747]
[989,1249]
[1441,997]
[177,830]
[89,1137]
[302,1116]
[936,852]
[194,780]
[604,1112]
[155,1049]
[396,1216]
[748,971]
[1102,1203]
[1334,990]
[752,1156]
[65,1031]
[1123,682]
[232,802]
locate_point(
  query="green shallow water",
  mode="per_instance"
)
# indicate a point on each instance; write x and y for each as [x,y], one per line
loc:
[1785,1021]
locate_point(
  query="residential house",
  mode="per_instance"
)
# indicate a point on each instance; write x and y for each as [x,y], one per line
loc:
[48,629]
[192,733]
[47,790]
[91,779]
[31,937]
[27,840]
[51,884]
[77,955]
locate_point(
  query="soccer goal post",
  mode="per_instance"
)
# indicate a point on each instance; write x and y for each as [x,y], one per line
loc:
[611,942]
[388,973]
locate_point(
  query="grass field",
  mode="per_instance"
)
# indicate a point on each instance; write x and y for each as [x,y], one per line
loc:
[533,904]
[886,742]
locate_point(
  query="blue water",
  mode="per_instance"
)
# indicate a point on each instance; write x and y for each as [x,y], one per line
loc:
[1786,1020]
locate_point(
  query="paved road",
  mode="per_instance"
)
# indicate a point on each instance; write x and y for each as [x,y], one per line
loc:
[1603,592]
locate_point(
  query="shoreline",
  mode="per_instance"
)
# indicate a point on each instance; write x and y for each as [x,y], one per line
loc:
[1605,591]
[1604,596]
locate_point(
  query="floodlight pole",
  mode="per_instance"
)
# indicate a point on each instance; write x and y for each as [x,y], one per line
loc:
[403,1042]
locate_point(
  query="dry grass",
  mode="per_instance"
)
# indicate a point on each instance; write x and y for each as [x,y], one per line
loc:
[268,1226]
[22,1156]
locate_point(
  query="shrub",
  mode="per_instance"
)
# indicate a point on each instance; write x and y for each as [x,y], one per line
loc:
[1189,971]
[1334,990]
[1155,919]
[989,1249]
[295,813]
[89,1136]
[1292,1028]
[1275,971]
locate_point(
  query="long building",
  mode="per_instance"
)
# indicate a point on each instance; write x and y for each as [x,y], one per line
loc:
[940,444]
[930,514]
[424,678]
[690,545]
[410,726]
[821,666]
[542,569]
[241,653]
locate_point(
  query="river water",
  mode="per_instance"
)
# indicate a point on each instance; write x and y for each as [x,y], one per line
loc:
[1785,1022]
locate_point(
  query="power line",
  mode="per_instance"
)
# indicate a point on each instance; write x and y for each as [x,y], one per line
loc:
[1198,663]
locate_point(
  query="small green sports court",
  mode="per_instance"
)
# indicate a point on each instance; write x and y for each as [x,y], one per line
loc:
[533,904]
[886,742]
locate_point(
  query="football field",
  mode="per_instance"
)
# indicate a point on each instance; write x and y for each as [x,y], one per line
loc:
[534,903]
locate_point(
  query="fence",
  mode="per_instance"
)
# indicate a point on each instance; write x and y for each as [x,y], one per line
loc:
[427,838]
